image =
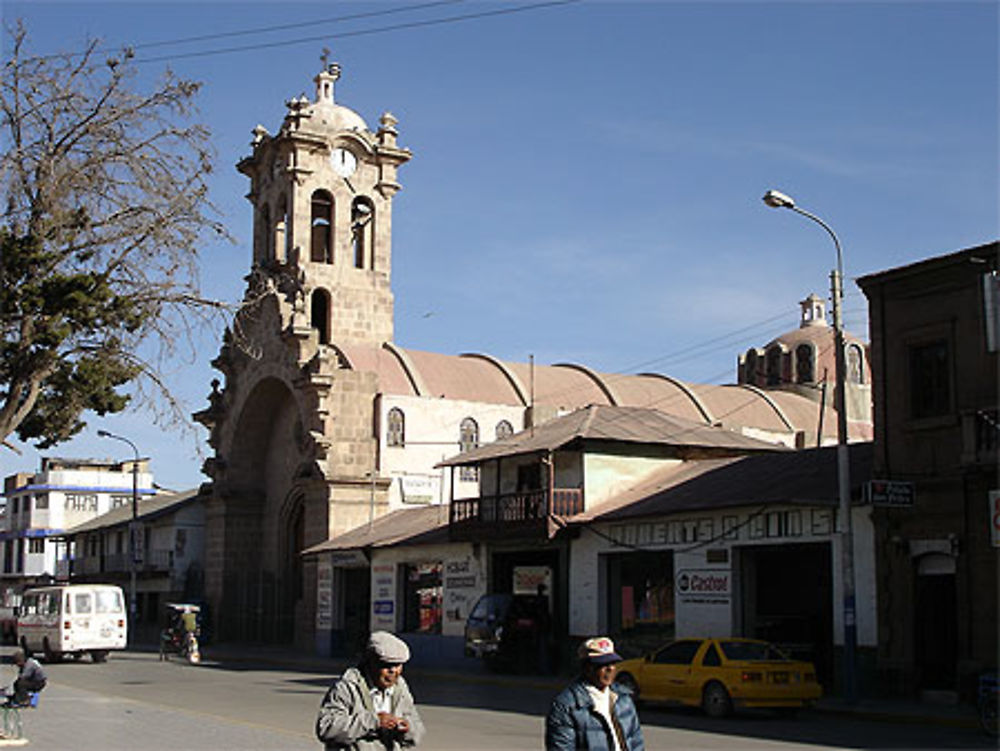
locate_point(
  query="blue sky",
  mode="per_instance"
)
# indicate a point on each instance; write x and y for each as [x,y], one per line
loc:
[586,177]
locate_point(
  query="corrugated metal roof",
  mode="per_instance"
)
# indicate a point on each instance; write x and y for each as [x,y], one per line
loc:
[426,525]
[808,477]
[148,508]
[624,424]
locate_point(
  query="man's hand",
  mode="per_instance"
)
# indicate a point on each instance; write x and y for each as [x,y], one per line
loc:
[402,725]
[387,721]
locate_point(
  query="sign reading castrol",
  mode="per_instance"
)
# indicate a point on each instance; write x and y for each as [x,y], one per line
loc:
[703,585]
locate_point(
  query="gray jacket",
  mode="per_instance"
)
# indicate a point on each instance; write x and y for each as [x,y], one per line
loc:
[348,722]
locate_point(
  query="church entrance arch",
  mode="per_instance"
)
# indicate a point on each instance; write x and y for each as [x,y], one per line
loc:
[264,519]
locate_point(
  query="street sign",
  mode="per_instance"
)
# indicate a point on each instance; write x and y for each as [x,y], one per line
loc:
[889,493]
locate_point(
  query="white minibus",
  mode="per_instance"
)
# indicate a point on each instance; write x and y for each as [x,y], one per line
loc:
[72,619]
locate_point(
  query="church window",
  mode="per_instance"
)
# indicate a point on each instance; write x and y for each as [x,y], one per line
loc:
[468,439]
[395,433]
[855,364]
[282,237]
[752,365]
[320,314]
[321,249]
[504,430]
[804,364]
[362,232]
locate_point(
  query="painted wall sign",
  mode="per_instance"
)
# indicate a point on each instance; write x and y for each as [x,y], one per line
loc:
[384,596]
[781,524]
[460,589]
[324,595]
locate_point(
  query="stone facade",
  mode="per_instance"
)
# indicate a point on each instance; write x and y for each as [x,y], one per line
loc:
[292,431]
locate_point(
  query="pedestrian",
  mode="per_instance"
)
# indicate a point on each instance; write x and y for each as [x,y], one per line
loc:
[370,708]
[30,678]
[594,712]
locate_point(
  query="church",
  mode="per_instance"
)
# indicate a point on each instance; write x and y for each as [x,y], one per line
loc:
[322,423]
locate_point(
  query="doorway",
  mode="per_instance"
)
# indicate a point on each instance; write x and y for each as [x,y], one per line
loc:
[935,622]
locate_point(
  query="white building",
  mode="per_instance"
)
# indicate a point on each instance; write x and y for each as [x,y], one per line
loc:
[63,494]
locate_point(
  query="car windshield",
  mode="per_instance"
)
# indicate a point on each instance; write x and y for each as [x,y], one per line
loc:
[751,650]
[489,605]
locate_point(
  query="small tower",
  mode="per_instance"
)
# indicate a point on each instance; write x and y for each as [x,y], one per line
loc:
[813,311]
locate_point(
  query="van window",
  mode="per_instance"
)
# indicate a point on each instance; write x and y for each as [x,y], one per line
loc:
[107,601]
[30,604]
[81,602]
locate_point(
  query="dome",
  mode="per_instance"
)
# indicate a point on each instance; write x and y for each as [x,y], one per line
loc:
[336,117]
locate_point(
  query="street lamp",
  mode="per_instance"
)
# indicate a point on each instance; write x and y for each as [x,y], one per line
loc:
[778,200]
[133,528]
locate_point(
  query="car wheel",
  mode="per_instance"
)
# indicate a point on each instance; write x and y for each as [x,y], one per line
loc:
[24,646]
[715,700]
[99,655]
[628,681]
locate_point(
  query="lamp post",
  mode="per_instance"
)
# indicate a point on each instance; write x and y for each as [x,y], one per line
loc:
[778,200]
[133,528]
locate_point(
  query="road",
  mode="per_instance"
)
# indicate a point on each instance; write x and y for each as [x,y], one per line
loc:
[136,702]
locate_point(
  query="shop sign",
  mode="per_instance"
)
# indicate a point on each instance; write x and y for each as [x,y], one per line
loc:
[889,493]
[419,489]
[528,579]
[703,585]
[995,517]
[347,559]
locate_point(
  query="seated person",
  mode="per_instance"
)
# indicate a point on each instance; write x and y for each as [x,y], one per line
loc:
[30,678]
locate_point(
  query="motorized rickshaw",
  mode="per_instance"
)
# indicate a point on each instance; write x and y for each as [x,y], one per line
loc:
[182,632]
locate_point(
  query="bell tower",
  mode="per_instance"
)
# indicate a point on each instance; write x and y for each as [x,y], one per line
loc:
[322,190]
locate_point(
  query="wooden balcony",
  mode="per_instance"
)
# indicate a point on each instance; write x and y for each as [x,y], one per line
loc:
[524,514]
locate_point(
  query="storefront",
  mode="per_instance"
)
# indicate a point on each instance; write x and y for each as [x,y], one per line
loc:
[768,573]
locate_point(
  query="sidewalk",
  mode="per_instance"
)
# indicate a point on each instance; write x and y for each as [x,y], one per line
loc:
[473,671]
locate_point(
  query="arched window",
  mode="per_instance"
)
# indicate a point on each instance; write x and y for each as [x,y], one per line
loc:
[773,366]
[468,439]
[321,249]
[805,370]
[751,366]
[320,314]
[363,232]
[395,428]
[855,364]
[504,430]
[282,237]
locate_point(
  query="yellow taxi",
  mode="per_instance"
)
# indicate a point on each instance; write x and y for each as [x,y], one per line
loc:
[721,674]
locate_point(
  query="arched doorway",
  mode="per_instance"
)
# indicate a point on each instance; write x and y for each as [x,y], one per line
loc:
[261,580]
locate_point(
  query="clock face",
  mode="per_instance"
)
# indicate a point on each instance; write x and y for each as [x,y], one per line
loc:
[343,161]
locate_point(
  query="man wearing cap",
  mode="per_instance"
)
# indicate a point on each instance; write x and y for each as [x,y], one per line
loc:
[370,708]
[594,712]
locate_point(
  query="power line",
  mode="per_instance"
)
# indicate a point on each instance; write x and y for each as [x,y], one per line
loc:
[360,32]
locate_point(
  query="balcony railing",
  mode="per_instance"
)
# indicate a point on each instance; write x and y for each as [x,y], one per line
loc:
[155,561]
[522,514]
